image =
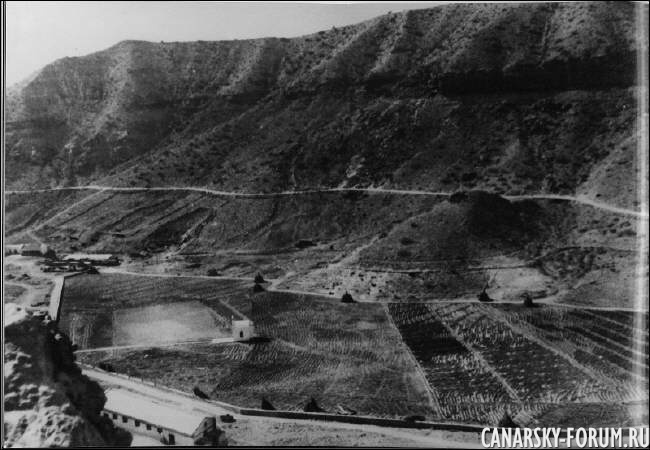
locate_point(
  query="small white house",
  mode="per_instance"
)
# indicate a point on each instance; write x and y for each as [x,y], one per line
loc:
[243,330]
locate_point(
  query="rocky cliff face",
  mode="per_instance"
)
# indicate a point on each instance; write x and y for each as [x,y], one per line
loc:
[460,94]
[47,401]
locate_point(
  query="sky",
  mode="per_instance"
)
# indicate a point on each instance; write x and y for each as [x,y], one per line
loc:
[38,33]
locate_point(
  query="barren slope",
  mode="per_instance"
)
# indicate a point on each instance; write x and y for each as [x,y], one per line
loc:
[510,99]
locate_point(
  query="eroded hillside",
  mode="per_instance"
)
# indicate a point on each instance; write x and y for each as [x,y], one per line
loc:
[508,97]
[519,100]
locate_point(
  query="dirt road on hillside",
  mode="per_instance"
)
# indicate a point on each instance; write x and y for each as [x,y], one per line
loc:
[576,199]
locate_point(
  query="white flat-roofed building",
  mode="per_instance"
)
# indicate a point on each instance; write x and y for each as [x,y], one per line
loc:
[13,249]
[243,330]
[145,416]
[106,259]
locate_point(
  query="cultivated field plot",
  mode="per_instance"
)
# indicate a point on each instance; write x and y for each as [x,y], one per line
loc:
[613,345]
[119,309]
[466,390]
[340,354]
[480,359]
[170,322]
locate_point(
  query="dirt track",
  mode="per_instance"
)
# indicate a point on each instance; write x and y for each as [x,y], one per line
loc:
[577,199]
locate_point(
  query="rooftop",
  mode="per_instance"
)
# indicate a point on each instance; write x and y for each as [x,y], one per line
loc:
[242,323]
[150,410]
[95,256]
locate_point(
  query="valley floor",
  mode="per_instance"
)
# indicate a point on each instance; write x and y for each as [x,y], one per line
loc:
[415,341]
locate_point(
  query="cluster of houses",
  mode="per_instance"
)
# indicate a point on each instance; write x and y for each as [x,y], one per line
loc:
[136,413]
[74,262]
[32,249]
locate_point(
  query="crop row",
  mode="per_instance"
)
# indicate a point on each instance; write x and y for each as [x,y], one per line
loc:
[132,290]
[465,389]
[535,372]
[575,333]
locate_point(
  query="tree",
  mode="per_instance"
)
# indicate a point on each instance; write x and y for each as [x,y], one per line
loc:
[528,300]
[312,406]
[507,422]
[484,297]
[267,405]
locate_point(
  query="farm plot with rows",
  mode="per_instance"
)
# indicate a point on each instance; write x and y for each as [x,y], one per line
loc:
[466,390]
[119,309]
[611,344]
[483,359]
[346,355]
[535,372]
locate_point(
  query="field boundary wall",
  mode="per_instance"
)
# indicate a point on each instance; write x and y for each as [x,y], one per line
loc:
[57,294]
[300,415]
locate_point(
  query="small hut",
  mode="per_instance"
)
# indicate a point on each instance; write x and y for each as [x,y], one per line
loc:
[243,330]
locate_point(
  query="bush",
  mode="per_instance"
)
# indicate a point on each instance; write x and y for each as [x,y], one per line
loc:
[528,300]
[200,394]
[312,406]
[347,298]
[404,254]
[415,418]
[484,297]
[507,422]
[266,405]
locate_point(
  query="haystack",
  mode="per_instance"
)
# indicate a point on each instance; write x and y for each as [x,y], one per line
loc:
[312,406]
[266,405]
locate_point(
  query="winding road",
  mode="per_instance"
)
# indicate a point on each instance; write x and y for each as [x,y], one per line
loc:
[582,199]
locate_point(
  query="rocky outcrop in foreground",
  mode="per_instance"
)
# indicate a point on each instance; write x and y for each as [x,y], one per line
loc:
[47,400]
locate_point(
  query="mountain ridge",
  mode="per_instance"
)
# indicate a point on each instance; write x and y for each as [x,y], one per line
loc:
[506,101]
[82,117]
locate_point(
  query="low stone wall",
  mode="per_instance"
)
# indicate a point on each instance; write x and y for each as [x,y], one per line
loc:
[363,420]
[55,298]
[299,415]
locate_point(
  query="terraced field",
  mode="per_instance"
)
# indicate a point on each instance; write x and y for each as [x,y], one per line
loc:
[483,359]
[476,361]
[611,344]
[466,390]
[340,354]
